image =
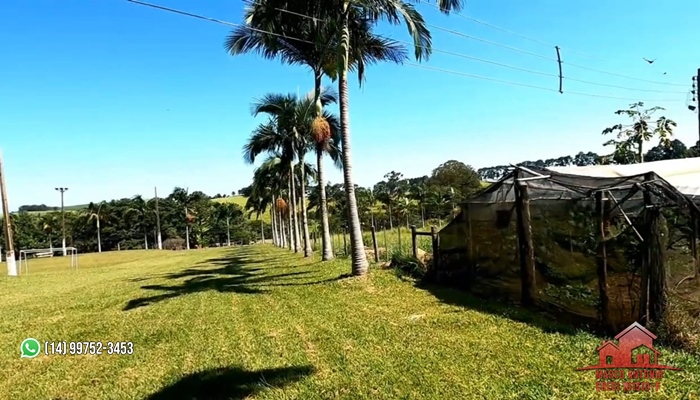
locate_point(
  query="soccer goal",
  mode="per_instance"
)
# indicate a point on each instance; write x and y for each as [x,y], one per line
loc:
[24,256]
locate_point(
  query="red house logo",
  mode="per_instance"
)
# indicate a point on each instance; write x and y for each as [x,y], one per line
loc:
[633,357]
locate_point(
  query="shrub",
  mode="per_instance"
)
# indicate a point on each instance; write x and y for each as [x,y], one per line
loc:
[682,326]
[407,265]
[174,244]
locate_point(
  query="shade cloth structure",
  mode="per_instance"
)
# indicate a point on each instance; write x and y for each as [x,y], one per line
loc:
[479,248]
[682,173]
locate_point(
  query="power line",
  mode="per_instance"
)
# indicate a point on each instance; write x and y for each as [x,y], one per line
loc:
[464,35]
[508,31]
[218,21]
[511,66]
[622,76]
[534,86]
[622,87]
[536,41]
[411,64]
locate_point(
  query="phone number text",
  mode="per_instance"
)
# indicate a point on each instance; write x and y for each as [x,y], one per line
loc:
[63,348]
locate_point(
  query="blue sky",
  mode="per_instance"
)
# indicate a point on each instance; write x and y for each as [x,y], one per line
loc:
[110,98]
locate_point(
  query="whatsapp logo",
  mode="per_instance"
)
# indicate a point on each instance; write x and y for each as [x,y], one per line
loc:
[29,348]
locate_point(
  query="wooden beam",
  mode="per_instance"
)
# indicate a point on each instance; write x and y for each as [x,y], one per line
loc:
[525,246]
[602,212]
[658,296]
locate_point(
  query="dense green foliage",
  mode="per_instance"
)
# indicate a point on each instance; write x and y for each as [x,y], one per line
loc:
[131,224]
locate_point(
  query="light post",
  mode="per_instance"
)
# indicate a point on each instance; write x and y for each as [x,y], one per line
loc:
[63,219]
[99,240]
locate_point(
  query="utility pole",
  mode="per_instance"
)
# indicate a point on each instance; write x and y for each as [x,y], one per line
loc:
[160,238]
[696,96]
[9,242]
[63,219]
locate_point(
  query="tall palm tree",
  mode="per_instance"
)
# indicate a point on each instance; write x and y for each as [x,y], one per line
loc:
[325,135]
[140,212]
[346,24]
[354,16]
[277,140]
[271,183]
[288,133]
[265,191]
[258,203]
[418,193]
[50,222]
[321,135]
[225,212]
[317,50]
[184,200]
[201,215]
[98,213]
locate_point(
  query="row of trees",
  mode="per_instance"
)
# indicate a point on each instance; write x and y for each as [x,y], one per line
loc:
[332,38]
[191,219]
[186,220]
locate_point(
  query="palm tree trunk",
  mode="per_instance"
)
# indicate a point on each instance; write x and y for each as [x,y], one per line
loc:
[391,219]
[280,228]
[290,228]
[187,230]
[422,214]
[145,239]
[304,216]
[293,211]
[262,230]
[228,232]
[99,240]
[283,229]
[299,223]
[272,222]
[326,242]
[359,258]
[273,212]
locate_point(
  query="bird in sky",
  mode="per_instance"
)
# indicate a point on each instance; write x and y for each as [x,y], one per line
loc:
[649,61]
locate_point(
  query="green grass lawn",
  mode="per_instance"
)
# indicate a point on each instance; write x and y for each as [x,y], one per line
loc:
[261,322]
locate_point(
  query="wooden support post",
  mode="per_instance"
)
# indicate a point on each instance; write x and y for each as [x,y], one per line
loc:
[694,246]
[602,212]
[399,233]
[525,246]
[414,246]
[658,296]
[470,243]
[345,242]
[644,285]
[374,244]
[386,245]
[436,249]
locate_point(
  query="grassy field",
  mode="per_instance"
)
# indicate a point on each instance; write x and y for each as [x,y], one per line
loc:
[258,321]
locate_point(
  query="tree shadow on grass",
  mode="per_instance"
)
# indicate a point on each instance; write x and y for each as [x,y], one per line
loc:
[545,321]
[229,383]
[233,274]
